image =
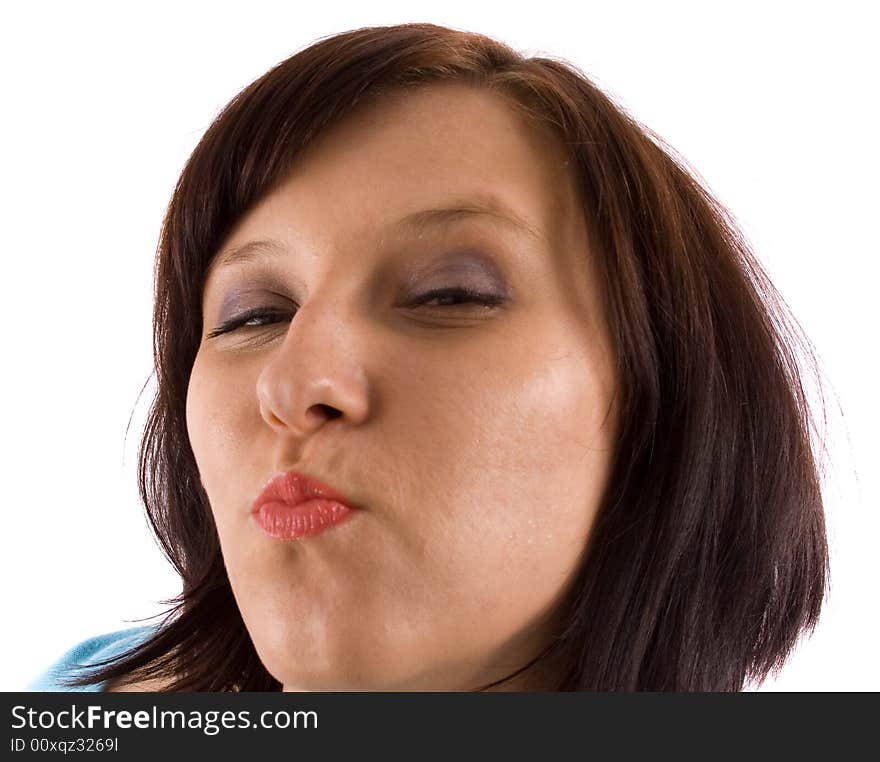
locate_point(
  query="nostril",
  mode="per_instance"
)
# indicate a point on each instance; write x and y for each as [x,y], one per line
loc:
[330,411]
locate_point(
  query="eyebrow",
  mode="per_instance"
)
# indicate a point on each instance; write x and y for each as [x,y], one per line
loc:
[412,224]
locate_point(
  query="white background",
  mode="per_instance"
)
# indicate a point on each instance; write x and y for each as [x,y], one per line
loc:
[773,104]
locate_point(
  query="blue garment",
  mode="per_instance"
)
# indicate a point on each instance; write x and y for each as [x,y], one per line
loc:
[89,652]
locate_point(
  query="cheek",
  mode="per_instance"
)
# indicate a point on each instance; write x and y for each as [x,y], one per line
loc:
[513,466]
[530,421]
[218,420]
[201,407]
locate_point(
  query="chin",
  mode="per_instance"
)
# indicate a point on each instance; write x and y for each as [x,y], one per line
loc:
[322,662]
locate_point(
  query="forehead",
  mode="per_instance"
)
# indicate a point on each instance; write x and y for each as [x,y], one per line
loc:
[415,150]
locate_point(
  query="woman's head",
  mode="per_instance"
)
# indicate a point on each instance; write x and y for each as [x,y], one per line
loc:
[476,436]
[607,465]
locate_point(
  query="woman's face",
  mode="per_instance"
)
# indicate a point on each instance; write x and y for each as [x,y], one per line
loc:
[476,439]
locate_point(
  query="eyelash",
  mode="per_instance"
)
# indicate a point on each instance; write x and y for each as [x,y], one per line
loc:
[468,296]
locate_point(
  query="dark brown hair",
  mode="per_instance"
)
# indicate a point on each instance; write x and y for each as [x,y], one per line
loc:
[708,557]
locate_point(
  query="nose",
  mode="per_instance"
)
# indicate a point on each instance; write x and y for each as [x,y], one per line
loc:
[315,374]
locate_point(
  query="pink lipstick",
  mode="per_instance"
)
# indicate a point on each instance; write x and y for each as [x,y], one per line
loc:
[293,505]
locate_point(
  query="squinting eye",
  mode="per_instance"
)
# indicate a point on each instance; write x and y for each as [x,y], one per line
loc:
[266,317]
[462,295]
[447,297]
